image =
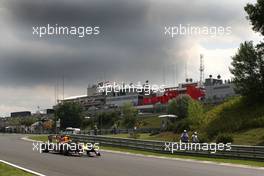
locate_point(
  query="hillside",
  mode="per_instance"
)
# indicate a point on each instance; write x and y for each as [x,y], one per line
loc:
[235,116]
[245,123]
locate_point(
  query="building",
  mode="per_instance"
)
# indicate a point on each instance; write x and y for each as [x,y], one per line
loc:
[217,90]
[49,111]
[3,124]
[101,97]
[188,88]
[21,114]
[86,101]
[121,99]
[92,90]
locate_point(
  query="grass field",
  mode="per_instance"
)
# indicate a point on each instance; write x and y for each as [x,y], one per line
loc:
[6,170]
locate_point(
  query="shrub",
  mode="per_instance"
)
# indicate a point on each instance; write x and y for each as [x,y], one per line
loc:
[195,114]
[203,138]
[171,126]
[181,125]
[189,111]
[179,106]
[253,123]
[224,138]
[129,115]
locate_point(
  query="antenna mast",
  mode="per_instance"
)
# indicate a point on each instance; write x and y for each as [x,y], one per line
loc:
[201,69]
[63,87]
[186,69]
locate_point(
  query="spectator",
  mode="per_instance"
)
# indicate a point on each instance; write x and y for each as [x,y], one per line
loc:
[195,138]
[184,136]
[114,129]
[50,138]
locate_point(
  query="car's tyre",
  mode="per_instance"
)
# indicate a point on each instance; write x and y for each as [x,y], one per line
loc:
[88,153]
[44,148]
[66,152]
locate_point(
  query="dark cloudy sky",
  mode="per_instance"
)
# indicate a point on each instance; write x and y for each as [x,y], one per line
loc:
[131,46]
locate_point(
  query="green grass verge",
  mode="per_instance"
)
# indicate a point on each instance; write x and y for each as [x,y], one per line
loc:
[250,137]
[247,137]
[133,151]
[151,122]
[217,160]
[6,170]
[166,136]
[42,138]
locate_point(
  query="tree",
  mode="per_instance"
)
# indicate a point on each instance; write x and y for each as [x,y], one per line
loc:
[248,63]
[158,108]
[256,15]
[179,106]
[248,77]
[189,111]
[129,115]
[172,107]
[195,114]
[87,123]
[107,119]
[14,121]
[48,124]
[28,121]
[70,115]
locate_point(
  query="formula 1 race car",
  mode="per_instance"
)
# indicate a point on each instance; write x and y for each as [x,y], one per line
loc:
[90,150]
[64,145]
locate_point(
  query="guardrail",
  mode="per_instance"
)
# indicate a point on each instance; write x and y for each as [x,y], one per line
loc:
[119,131]
[237,151]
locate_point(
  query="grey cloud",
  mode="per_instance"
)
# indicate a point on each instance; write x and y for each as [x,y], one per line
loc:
[131,46]
[131,39]
[127,39]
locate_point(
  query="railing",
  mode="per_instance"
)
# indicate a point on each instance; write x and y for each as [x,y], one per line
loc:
[120,131]
[237,151]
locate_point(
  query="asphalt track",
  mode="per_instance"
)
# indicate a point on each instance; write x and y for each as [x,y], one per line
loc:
[19,152]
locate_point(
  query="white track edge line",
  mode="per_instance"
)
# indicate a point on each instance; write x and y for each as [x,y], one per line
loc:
[22,168]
